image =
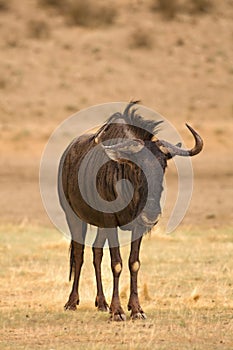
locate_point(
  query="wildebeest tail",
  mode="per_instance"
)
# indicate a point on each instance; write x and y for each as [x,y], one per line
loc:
[71,259]
[73,251]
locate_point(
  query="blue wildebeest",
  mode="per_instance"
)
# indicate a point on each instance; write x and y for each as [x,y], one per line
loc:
[124,148]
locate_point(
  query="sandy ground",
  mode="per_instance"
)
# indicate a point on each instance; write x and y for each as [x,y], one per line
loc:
[184,72]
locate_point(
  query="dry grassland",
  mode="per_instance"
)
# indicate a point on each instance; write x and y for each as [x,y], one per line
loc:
[175,56]
[185,288]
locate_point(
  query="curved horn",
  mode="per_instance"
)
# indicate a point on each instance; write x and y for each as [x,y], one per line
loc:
[172,150]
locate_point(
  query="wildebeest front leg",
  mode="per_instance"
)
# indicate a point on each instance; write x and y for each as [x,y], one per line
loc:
[134,265]
[78,232]
[117,313]
[100,301]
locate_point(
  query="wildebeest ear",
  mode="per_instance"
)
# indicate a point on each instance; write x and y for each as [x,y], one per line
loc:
[124,149]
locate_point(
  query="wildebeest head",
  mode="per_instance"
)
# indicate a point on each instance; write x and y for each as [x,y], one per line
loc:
[133,126]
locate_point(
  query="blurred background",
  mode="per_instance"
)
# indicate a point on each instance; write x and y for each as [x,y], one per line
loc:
[58,57]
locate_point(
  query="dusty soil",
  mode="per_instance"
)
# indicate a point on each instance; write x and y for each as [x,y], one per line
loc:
[50,69]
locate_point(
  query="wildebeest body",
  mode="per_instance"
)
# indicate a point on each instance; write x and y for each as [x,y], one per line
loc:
[108,176]
[124,148]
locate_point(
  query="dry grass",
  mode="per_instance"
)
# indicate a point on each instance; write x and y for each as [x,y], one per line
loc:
[5,5]
[185,287]
[141,38]
[168,8]
[52,3]
[38,29]
[171,8]
[3,83]
[88,13]
[202,6]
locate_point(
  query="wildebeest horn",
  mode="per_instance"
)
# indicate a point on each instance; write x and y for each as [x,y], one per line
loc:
[172,150]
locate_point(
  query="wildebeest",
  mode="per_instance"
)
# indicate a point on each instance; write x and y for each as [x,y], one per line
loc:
[91,170]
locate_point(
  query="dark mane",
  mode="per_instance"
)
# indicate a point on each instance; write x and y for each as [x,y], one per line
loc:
[144,128]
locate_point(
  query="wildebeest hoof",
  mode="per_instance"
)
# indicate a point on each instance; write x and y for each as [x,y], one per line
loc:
[118,317]
[72,304]
[101,304]
[104,307]
[69,306]
[116,311]
[138,316]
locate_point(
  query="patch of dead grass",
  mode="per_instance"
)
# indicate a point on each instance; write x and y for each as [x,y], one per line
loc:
[201,6]
[172,8]
[141,38]
[168,8]
[5,5]
[88,13]
[38,29]
[52,3]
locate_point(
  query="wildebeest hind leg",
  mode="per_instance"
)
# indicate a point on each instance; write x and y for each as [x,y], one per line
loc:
[100,301]
[78,232]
